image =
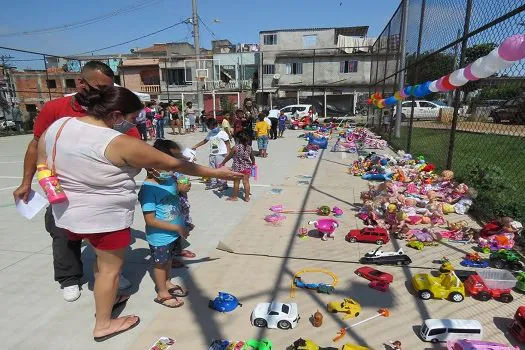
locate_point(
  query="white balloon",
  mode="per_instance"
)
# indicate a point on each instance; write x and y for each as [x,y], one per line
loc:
[495,62]
[432,87]
[480,69]
[458,78]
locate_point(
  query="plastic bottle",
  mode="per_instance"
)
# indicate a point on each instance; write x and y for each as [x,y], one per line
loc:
[254,172]
[50,184]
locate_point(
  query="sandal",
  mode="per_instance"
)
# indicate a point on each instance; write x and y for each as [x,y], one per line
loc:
[178,292]
[177,264]
[111,335]
[161,301]
[187,254]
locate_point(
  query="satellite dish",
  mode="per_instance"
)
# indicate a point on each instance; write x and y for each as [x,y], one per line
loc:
[277,76]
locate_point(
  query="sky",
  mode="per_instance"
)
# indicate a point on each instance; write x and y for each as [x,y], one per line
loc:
[237,20]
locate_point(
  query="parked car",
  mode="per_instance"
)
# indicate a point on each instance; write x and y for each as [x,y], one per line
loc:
[376,235]
[372,274]
[512,111]
[7,124]
[423,110]
[298,111]
[275,315]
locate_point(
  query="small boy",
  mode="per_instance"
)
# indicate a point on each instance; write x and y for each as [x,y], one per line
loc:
[202,120]
[262,129]
[219,148]
[282,123]
[165,226]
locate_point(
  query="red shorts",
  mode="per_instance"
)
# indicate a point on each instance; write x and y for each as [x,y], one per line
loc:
[246,171]
[106,240]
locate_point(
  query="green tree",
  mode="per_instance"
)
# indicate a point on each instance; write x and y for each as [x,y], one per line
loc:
[429,68]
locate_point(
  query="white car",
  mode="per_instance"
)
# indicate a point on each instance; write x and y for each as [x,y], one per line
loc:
[423,110]
[298,111]
[378,253]
[275,315]
[7,124]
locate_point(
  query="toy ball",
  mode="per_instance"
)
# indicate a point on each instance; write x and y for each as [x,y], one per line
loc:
[224,302]
[324,210]
[337,211]
[512,48]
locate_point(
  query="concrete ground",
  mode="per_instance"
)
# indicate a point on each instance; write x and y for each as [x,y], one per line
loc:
[259,268]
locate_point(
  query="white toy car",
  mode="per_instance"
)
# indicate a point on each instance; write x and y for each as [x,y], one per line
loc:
[378,253]
[275,315]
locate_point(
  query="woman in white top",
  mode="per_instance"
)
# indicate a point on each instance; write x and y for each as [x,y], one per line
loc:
[96,164]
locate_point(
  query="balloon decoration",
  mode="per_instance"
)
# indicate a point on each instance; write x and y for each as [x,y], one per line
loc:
[509,52]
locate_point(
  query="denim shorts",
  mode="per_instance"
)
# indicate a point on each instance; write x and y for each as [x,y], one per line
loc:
[164,253]
[262,142]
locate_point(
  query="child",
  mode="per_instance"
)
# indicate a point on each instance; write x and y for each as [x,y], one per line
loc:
[225,125]
[165,225]
[261,133]
[202,120]
[282,123]
[243,161]
[219,148]
[150,126]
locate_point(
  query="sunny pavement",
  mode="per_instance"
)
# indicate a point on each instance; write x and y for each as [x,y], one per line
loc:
[260,269]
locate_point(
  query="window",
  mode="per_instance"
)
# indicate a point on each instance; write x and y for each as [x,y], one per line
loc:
[285,309]
[270,39]
[178,76]
[51,84]
[70,83]
[273,313]
[409,104]
[464,331]
[426,104]
[294,68]
[436,331]
[269,69]
[309,40]
[348,67]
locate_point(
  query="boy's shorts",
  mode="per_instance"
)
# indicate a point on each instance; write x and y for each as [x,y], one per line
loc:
[164,253]
[262,142]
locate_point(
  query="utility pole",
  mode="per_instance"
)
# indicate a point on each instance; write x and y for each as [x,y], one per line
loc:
[196,43]
[402,53]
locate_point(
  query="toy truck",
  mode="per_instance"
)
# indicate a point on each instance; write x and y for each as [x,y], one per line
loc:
[517,327]
[506,258]
[520,285]
[491,284]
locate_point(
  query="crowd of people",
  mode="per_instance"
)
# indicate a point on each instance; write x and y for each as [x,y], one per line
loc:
[94,142]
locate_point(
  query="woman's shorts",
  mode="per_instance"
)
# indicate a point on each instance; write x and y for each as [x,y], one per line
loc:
[105,240]
[262,142]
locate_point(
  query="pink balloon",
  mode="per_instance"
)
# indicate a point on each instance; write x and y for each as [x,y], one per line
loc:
[439,84]
[468,73]
[513,48]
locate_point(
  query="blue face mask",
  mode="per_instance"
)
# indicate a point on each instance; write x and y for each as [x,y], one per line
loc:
[162,176]
[123,126]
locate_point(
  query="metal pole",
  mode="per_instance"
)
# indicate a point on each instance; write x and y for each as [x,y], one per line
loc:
[261,76]
[324,115]
[418,52]
[298,91]
[450,96]
[196,43]
[168,77]
[313,74]
[47,79]
[213,98]
[457,93]
[402,53]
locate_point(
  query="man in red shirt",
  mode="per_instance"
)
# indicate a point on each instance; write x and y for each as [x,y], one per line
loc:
[66,254]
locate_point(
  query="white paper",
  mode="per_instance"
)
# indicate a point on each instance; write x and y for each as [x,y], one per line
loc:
[35,203]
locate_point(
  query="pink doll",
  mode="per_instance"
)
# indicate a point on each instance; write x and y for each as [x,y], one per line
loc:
[410,210]
[369,214]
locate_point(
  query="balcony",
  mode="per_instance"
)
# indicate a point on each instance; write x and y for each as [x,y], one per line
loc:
[150,89]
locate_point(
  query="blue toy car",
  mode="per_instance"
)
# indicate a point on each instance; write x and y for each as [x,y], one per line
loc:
[319,287]
[477,264]
[224,302]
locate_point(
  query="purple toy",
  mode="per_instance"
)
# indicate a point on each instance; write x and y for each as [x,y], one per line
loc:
[326,227]
[337,211]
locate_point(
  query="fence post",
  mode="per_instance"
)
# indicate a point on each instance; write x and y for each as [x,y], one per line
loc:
[416,74]
[168,77]
[457,93]
[402,65]
[313,73]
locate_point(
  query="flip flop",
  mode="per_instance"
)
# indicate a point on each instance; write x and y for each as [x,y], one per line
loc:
[187,254]
[178,292]
[162,300]
[111,335]
[177,264]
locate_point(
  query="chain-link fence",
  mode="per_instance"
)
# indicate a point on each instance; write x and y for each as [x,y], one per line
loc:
[477,130]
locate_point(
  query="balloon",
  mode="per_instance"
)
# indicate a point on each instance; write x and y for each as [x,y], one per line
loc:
[446,83]
[512,48]
[422,89]
[495,62]
[457,78]
[369,101]
[417,91]
[407,90]
[397,95]
[391,101]
[439,86]
[432,87]
[468,73]
[480,69]
[402,93]
[381,103]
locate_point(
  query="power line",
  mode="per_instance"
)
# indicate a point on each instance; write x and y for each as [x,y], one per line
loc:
[207,28]
[64,27]
[130,41]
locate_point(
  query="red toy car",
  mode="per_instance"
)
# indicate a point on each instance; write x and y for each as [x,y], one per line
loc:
[376,235]
[378,285]
[372,274]
[517,327]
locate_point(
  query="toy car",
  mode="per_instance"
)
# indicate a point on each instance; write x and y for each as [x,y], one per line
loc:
[348,306]
[254,344]
[319,287]
[307,344]
[224,302]
[275,315]
[467,344]
[376,235]
[477,264]
[387,260]
[378,252]
[416,245]
[379,285]
[488,284]
[520,285]
[446,286]
[517,327]
[372,274]
[506,258]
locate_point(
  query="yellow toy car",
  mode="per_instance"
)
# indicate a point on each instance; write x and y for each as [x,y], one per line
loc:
[354,347]
[348,306]
[446,286]
[307,344]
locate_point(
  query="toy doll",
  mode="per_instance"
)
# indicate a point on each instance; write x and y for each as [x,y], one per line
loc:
[369,214]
